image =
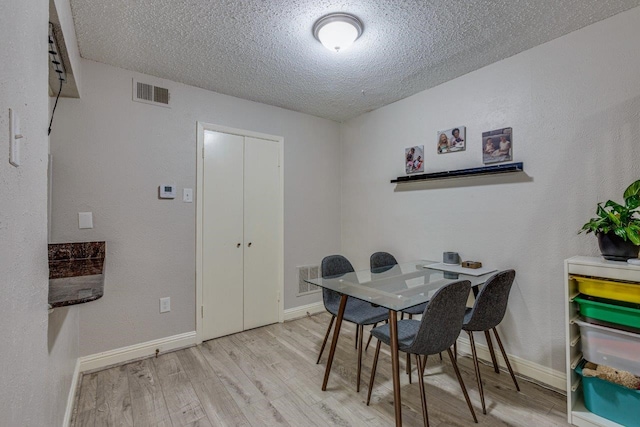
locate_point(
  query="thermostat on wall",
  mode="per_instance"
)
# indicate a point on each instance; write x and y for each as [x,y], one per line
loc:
[167,191]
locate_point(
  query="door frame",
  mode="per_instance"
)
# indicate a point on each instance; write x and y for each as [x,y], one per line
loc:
[201,128]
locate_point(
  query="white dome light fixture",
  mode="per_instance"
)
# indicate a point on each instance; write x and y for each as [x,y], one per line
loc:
[337,31]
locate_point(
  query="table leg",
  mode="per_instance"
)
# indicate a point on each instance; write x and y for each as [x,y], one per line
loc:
[395,365]
[334,340]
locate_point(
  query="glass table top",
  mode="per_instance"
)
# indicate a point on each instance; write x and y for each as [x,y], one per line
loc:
[398,287]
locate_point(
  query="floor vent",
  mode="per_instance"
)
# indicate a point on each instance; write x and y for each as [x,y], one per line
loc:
[307,272]
[150,94]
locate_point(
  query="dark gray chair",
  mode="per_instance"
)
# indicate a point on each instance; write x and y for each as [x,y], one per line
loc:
[356,311]
[383,261]
[380,262]
[487,312]
[436,332]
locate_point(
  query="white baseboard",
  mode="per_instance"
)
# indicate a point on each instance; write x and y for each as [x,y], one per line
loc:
[303,310]
[136,351]
[66,422]
[526,368]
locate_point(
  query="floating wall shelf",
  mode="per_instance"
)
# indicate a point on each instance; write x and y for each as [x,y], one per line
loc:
[485,170]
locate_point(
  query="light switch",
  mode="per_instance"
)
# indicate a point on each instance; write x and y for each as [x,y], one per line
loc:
[187,195]
[165,305]
[85,220]
[15,135]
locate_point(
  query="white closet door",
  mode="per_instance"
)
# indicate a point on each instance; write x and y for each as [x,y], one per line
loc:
[222,240]
[261,232]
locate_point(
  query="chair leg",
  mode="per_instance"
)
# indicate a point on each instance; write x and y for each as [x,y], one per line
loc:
[408,365]
[440,356]
[476,366]
[464,389]
[423,397]
[410,316]
[487,336]
[370,336]
[455,349]
[326,337]
[506,359]
[361,327]
[357,331]
[373,371]
[424,365]
[402,316]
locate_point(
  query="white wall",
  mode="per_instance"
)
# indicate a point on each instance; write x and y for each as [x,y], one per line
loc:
[38,350]
[574,107]
[110,154]
[63,9]
[63,346]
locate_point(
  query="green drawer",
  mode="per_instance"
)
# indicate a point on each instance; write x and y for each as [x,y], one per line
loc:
[612,313]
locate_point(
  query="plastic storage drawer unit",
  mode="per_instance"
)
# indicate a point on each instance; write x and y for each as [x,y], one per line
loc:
[610,347]
[601,288]
[611,401]
[610,313]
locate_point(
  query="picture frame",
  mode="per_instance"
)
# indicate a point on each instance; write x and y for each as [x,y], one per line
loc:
[414,159]
[497,146]
[452,140]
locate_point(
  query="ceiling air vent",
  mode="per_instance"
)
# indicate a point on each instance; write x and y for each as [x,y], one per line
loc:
[150,94]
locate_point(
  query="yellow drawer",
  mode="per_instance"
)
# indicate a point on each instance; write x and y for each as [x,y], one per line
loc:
[602,288]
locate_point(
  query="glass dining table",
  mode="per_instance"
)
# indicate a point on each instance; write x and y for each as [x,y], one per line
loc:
[396,288]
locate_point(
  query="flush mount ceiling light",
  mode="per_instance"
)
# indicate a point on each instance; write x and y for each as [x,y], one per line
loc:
[337,31]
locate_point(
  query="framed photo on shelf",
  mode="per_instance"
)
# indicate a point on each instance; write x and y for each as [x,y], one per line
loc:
[497,146]
[414,159]
[452,140]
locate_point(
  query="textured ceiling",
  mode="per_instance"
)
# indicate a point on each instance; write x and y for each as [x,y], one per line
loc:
[264,50]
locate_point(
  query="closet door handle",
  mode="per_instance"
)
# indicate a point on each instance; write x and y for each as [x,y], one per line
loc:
[249,244]
[238,245]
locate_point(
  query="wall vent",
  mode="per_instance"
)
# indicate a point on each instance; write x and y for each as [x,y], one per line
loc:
[307,272]
[150,94]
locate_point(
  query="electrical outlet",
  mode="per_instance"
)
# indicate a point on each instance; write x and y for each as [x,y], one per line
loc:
[165,305]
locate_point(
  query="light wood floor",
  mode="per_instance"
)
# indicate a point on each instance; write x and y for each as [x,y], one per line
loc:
[268,376]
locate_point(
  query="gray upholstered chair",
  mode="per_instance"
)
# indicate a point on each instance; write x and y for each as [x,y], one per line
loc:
[436,332]
[487,312]
[356,311]
[380,262]
[383,261]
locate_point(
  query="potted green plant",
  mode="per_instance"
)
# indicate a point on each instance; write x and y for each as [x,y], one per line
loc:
[618,226]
